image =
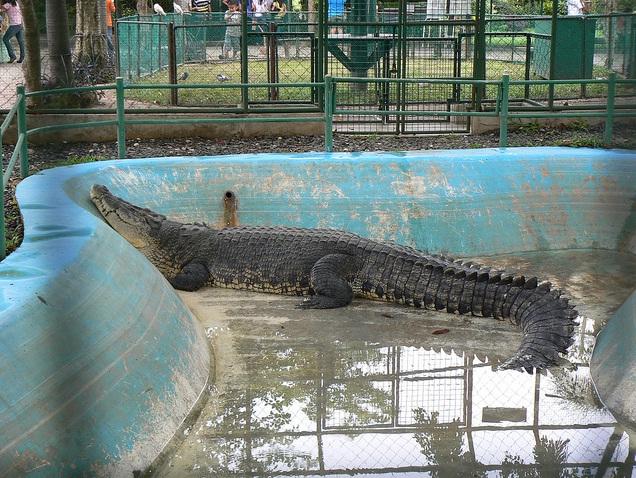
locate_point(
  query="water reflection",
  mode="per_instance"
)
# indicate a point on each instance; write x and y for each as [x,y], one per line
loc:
[345,395]
[375,409]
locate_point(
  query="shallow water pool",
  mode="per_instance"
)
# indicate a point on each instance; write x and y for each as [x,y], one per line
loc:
[383,390]
[102,362]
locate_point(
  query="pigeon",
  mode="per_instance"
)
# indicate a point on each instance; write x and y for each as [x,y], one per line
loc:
[177,8]
[221,77]
[157,8]
[183,76]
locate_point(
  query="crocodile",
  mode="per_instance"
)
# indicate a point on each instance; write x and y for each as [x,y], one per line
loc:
[330,267]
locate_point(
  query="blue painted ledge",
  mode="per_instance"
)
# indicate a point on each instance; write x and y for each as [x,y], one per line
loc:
[100,361]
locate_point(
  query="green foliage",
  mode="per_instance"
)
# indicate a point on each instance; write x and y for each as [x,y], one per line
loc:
[74,159]
[13,234]
[444,446]
[549,458]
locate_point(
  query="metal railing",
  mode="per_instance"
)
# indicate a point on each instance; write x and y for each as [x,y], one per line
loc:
[608,110]
[502,110]
[18,111]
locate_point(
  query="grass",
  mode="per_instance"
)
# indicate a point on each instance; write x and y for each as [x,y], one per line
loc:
[291,71]
[299,71]
[74,159]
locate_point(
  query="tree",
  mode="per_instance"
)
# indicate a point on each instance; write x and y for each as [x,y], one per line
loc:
[57,35]
[32,67]
[91,46]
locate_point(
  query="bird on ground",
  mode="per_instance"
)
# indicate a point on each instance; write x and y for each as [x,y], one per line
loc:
[158,10]
[183,76]
[221,77]
[177,8]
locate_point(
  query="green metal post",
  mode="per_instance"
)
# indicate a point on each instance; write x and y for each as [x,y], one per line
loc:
[631,58]
[401,70]
[121,118]
[329,106]
[611,97]
[584,58]
[479,59]
[553,47]
[172,62]
[526,76]
[322,59]
[609,39]
[244,52]
[503,111]
[22,130]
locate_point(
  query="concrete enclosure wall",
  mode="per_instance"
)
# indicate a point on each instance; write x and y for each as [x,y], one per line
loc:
[98,350]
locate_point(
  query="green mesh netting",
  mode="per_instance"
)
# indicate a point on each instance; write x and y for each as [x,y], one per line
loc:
[143,42]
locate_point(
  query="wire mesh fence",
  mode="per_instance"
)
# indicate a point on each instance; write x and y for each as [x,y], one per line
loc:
[402,410]
[363,39]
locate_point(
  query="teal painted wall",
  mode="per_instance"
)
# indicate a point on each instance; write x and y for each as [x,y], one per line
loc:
[101,361]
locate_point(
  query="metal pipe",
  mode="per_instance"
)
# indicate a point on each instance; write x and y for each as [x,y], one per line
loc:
[230,209]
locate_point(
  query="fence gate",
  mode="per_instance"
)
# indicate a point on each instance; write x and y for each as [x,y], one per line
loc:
[414,40]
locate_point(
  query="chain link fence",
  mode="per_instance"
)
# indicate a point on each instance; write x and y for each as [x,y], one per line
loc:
[356,38]
[405,411]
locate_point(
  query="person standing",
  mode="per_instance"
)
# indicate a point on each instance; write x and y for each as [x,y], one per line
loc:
[232,41]
[15,29]
[576,7]
[110,10]
[260,9]
[200,6]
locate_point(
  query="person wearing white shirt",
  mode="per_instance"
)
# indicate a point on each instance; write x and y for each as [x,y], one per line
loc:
[260,9]
[576,7]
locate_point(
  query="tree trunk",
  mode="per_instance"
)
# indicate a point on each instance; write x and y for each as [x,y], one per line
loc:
[91,47]
[32,61]
[57,35]
[143,7]
[312,18]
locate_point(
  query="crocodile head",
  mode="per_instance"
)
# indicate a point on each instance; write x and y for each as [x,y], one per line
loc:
[139,226]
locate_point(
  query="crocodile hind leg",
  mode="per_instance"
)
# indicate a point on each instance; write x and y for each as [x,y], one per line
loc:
[192,277]
[328,281]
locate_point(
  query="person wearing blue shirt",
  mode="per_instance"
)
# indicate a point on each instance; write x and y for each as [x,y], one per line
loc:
[336,8]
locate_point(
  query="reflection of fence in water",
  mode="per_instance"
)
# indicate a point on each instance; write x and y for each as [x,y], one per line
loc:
[407,409]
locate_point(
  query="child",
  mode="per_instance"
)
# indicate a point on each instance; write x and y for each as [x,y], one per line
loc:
[232,30]
[279,8]
[15,29]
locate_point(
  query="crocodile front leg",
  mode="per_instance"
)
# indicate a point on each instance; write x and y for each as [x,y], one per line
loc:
[192,277]
[328,280]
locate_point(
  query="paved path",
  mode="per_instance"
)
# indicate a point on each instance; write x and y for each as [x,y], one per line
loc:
[10,77]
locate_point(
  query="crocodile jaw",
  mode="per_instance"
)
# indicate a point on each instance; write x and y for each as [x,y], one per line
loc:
[138,226]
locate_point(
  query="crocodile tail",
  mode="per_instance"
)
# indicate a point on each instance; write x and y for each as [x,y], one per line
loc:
[544,315]
[548,326]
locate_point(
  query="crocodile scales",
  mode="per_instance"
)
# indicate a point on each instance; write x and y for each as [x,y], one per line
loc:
[330,267]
